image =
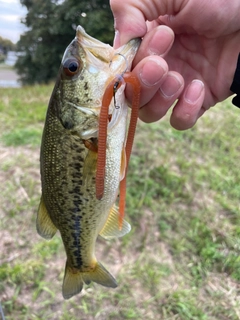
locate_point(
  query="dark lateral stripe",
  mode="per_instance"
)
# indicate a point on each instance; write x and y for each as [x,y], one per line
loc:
[77,258]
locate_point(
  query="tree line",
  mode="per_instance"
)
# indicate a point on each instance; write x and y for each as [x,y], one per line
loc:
[5,46]
[51,27]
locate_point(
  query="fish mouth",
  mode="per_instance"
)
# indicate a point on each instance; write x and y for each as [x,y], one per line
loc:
[117,58]
[119,61]
[99,49]
[123,56]
[130,48]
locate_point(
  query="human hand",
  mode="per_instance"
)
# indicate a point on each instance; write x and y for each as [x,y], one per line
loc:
[202,59]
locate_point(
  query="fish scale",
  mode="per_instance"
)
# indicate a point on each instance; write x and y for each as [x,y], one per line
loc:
[74,153]
[69,154]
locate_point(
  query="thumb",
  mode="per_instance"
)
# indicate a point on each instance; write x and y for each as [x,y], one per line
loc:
[130,16]
[129,22]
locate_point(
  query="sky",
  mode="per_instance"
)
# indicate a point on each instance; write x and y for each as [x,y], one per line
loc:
[11,12]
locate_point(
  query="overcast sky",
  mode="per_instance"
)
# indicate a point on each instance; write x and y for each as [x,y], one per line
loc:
[11,12]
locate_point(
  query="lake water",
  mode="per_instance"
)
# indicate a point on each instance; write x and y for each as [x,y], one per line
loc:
[11,58]
[8,77]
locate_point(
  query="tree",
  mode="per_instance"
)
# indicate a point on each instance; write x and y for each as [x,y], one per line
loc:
[6,45]
[51,27]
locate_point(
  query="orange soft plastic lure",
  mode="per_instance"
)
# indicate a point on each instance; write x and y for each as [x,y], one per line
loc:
[112,87]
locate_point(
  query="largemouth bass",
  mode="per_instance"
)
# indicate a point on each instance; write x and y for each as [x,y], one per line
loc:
[80,174]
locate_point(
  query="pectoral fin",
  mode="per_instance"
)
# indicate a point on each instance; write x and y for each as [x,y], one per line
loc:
[111,227]
[89,167]
[45,227]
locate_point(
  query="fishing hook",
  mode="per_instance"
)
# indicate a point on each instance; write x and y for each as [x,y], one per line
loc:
[120,79]
[125,59]
[117,84]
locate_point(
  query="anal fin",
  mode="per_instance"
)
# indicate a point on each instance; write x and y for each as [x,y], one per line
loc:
[111,227]
[45,226]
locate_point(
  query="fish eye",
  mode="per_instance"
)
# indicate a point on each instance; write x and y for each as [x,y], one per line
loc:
[71,66]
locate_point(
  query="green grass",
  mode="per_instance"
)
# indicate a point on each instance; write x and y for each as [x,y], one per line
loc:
[181,259]
[22,114]
[24,136]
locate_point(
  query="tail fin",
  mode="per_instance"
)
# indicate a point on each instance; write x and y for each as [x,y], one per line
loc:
[73,281]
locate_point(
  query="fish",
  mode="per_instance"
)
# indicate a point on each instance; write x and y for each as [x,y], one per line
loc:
[85,150]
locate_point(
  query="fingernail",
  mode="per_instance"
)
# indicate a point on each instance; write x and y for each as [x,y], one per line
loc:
[193,91]
[170,86]
[148,73]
